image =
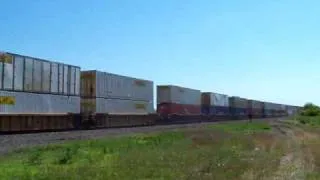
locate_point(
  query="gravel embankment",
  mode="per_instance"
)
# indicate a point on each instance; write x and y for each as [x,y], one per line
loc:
[13,142]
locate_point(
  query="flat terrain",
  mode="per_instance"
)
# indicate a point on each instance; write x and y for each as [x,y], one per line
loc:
[238,150]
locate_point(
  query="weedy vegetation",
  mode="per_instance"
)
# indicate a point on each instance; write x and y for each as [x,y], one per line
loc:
[220,151]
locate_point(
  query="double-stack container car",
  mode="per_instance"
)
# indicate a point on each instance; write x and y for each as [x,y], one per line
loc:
[37,94]
[268,109]
[215,105]
[238,107]
[255,108]
[175,102]
[277,110]
[114,100]
[291,110]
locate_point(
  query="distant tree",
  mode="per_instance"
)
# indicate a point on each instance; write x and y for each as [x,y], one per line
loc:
[310,109]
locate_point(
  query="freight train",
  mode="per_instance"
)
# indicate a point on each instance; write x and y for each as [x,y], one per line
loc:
[44,95]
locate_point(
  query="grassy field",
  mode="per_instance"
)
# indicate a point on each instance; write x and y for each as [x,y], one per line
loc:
[220,151]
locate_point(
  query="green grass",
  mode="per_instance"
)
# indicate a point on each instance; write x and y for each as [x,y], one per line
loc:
[241,127]
[308,120]
[189,154]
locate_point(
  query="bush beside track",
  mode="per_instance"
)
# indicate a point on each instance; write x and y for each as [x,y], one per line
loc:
[309,115]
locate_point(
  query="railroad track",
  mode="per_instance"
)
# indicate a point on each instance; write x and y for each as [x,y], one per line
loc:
[17,141]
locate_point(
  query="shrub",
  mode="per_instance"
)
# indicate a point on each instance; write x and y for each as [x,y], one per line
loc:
[310,109]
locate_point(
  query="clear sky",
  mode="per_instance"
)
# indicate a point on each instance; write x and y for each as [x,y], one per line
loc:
[266,50]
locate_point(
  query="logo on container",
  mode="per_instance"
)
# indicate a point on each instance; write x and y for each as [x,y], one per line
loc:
[140,106]
[5,58]
[8,100]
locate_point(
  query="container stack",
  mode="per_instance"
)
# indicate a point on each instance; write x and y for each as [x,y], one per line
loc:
[106,93]
[268,109]
[291,110]
[36,86]
[238,106]
[256,108]
[175,100]
[277,110]
[215,104]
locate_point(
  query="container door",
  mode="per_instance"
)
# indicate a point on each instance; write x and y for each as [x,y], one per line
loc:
[8,72]
[72,80]
[77,82]
[60,75]
[46,77]
[37,76]
[18,73]
[54,78]
[28,74]
[66,80]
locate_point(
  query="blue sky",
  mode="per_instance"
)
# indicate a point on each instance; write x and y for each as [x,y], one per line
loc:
[266,50]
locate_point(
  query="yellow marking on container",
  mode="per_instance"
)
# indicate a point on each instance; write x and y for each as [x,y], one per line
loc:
[140,106]
[6,58]
[88,104]
[87,75]
[8,100]
[140,83]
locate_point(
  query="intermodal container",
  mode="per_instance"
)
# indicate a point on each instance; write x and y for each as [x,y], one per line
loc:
[272,106]
[268,109]
[238,106]
[291,110]
[238,102]
[12,102]
[116,106]
[214,99]
[214,104]
[255,108]
[178,95]
[97,84]
[28,74]
[166,109]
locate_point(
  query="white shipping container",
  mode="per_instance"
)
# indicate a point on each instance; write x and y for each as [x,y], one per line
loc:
[113,86]
[24,102]
[142,89]
[22,73]
[107,85]
[219,100]
[115,106]
[179,95]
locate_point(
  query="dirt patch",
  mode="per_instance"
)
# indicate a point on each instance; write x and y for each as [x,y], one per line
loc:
[297,162]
